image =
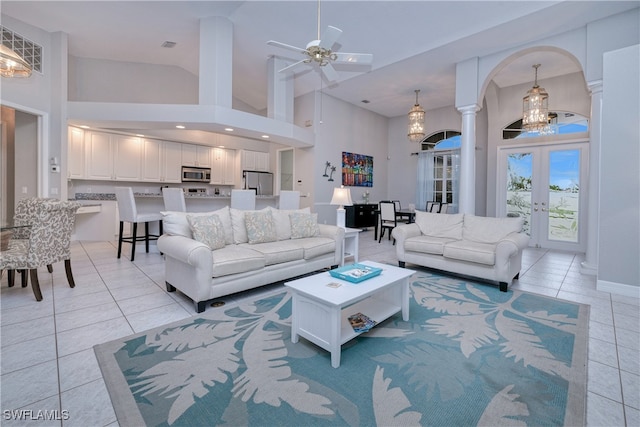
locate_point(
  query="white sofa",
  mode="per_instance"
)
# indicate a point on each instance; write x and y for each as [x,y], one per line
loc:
[468,245]
[245,250]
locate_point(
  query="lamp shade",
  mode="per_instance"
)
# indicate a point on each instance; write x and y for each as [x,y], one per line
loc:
[341,197]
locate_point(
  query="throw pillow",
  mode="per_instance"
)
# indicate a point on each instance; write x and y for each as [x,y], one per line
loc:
[304,225]
[260,226]
[208,230]
[176,223]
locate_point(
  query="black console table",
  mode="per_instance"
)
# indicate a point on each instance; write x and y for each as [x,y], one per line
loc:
[361,215]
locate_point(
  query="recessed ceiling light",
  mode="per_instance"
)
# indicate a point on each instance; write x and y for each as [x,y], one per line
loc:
[229,129]
[220,146]
[180,126]
[265,136]
[85,127]
[140,135]
[365,101]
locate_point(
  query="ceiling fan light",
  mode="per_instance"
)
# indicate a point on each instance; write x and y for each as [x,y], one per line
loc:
[416,122]
[12,65]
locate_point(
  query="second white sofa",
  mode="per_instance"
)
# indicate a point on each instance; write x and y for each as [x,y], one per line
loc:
[482,247]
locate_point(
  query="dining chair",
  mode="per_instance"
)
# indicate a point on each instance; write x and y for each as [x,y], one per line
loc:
[243,199]
[128,212]
[174,199]
[388,219]
[400,218]
[49,241]
[433,207]
[443,208]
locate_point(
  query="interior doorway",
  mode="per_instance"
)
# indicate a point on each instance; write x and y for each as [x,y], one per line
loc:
[546,184]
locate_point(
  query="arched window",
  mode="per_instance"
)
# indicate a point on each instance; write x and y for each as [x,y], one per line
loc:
[430,142]
[560,122]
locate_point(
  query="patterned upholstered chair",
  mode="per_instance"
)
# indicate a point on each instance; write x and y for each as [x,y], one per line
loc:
[48,241]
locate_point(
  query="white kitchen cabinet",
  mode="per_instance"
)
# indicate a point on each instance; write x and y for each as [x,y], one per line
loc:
[161,161]
[113,157]
[196,155]
[223,166]
[75,151]
[255,161]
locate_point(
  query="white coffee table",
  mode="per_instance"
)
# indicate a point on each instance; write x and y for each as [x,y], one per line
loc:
[320,312]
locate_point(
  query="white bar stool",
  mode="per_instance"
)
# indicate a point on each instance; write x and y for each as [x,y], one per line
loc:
[174,199]
[128,212]
[289,200]
[243,199]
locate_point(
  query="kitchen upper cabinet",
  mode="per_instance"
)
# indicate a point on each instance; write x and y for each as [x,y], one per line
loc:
[161,161]
[76,153]
[255,161]
[223,166]
[196,155]
[113,157]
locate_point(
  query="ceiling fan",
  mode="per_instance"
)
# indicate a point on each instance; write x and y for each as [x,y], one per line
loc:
[320,52]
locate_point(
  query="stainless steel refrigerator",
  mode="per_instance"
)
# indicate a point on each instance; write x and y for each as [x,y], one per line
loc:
[261,182]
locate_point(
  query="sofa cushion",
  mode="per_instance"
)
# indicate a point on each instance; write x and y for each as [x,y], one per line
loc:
[283,222]
[448,226]
[176,223]
[279,251]
[238,225]
[304,225]
[464,250]
[489,230]
[207,229]
[316,246]
[260,226]
[426,244]
[234,259]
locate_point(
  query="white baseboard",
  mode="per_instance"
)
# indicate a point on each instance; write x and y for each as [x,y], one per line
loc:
[618,288]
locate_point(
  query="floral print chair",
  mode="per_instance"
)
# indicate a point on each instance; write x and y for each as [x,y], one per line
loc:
[48,241]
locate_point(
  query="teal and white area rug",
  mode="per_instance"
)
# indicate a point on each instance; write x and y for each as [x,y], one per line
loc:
[469,355]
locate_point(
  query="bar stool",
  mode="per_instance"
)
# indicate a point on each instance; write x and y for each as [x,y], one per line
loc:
[128,212]
[289,200]
[174,199]
[243,199]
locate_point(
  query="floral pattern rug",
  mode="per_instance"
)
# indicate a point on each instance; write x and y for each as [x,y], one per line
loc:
[469,355]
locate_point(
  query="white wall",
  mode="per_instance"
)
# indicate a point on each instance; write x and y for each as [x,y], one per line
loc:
[619,228]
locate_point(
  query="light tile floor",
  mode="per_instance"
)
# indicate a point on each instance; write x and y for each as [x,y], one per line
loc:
[47,360]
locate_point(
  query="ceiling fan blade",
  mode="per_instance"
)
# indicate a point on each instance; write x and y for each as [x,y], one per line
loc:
[354,58]
[329,73]
[329,37]
[292,66]
[286,46]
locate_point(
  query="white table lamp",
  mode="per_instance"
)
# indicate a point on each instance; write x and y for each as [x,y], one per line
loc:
[342,198]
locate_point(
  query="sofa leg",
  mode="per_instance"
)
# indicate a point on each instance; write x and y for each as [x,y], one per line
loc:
[334,267]
[516,277]
[401,264]
[503,286]
[170,287]
[200,306]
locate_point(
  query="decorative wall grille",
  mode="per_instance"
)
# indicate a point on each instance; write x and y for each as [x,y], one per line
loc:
[28,50]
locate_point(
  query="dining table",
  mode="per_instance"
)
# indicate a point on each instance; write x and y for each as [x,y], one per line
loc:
[402,214]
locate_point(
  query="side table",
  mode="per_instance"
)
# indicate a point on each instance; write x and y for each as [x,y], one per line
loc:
[350,244]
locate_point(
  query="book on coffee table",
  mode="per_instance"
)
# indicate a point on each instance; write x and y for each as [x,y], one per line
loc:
[361,323]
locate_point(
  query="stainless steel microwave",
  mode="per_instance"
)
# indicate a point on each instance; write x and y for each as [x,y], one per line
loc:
[192,174]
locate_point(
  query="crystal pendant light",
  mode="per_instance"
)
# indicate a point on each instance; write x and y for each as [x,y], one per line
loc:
[416,122]
[12,65]
[535,108]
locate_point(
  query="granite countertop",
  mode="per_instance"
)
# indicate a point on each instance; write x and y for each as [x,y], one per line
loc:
[112,196]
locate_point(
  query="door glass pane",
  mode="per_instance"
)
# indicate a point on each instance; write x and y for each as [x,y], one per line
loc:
[519,170]
[564,192]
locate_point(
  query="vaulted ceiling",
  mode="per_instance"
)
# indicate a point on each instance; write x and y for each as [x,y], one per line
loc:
[415,44]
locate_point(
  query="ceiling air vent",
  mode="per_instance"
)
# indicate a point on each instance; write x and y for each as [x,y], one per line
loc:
[168,44]
[28,50]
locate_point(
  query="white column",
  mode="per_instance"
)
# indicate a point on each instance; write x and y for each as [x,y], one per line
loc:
[590,264]
[216,62]
[280,91]
[467,198]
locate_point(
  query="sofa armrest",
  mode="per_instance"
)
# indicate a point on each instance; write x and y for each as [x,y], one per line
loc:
[401,233]
[336,233]
[511,244]
[185,250]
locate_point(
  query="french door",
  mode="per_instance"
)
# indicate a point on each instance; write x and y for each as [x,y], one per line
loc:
[546,185]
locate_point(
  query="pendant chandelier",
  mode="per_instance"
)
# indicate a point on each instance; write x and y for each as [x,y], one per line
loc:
[535,108]
[416,122]
[12,65]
